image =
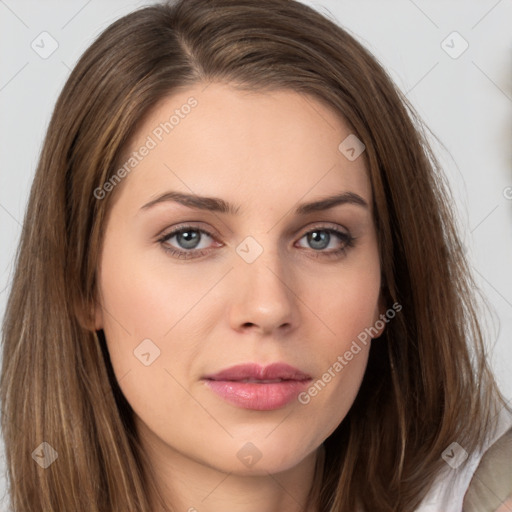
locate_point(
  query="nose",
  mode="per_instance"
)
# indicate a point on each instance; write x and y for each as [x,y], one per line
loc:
[263,298]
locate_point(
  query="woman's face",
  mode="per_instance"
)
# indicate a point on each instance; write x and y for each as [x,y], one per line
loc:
[191,287]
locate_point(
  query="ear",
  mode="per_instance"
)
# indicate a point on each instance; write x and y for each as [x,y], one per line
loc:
[98,316]
[90,317]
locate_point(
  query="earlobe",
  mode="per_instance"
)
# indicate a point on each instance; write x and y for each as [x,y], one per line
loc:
[98,316]
[90,318]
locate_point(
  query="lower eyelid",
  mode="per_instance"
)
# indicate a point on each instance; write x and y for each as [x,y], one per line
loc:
[343,237]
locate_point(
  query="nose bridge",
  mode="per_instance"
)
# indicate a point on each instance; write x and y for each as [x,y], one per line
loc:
[265,294]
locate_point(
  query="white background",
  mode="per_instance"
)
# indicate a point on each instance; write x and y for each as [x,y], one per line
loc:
[465,101]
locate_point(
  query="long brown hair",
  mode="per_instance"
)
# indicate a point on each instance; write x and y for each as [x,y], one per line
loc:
[428,382]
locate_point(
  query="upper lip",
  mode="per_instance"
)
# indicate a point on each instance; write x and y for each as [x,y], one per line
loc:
[254,371]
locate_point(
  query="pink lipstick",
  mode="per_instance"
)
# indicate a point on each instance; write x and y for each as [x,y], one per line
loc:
[251,386]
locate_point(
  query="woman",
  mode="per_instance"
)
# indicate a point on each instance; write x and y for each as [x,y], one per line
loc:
[239,283]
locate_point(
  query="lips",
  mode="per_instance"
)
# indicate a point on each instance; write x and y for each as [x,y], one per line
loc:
[254,372]
[251,386]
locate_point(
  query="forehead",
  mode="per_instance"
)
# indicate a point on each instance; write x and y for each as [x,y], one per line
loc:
[216,140]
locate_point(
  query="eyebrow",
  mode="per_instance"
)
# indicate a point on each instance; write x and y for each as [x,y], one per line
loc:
[215,204]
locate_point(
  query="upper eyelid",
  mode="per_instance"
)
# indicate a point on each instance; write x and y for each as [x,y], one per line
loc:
[166,233]
[212,232]
[325,226]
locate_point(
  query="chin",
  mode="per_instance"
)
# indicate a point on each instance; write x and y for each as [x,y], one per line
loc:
[259,458]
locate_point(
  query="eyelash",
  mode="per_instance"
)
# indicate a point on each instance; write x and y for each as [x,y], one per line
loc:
[349,242]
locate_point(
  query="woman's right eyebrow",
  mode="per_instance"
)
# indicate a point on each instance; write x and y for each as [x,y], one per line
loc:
[216,204]
[213,204]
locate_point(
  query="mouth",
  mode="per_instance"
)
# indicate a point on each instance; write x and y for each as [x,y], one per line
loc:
[251,386]
[257,381]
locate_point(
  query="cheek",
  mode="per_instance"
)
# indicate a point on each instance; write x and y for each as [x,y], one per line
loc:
[136,307]
[348,303]
[143,309]
[343,356]
[141,298]
[348,306]
[331,396]
[149,307]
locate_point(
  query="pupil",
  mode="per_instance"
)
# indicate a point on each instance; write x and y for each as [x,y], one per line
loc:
[319,239]
[188,239]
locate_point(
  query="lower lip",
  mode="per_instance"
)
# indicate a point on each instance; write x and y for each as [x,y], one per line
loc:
[258,397]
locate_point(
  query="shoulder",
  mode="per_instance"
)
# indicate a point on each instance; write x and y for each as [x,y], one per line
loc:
[468,487]
[491,486]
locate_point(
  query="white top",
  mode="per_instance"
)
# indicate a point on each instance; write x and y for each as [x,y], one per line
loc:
[449,488]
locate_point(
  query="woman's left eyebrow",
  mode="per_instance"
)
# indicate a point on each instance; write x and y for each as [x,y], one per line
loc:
[219,205]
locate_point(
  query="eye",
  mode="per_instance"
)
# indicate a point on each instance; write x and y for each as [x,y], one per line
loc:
[320,238]
[193,242]
[188,239]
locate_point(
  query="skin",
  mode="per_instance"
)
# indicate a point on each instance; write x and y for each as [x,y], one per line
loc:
[506,506]
[266,152]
